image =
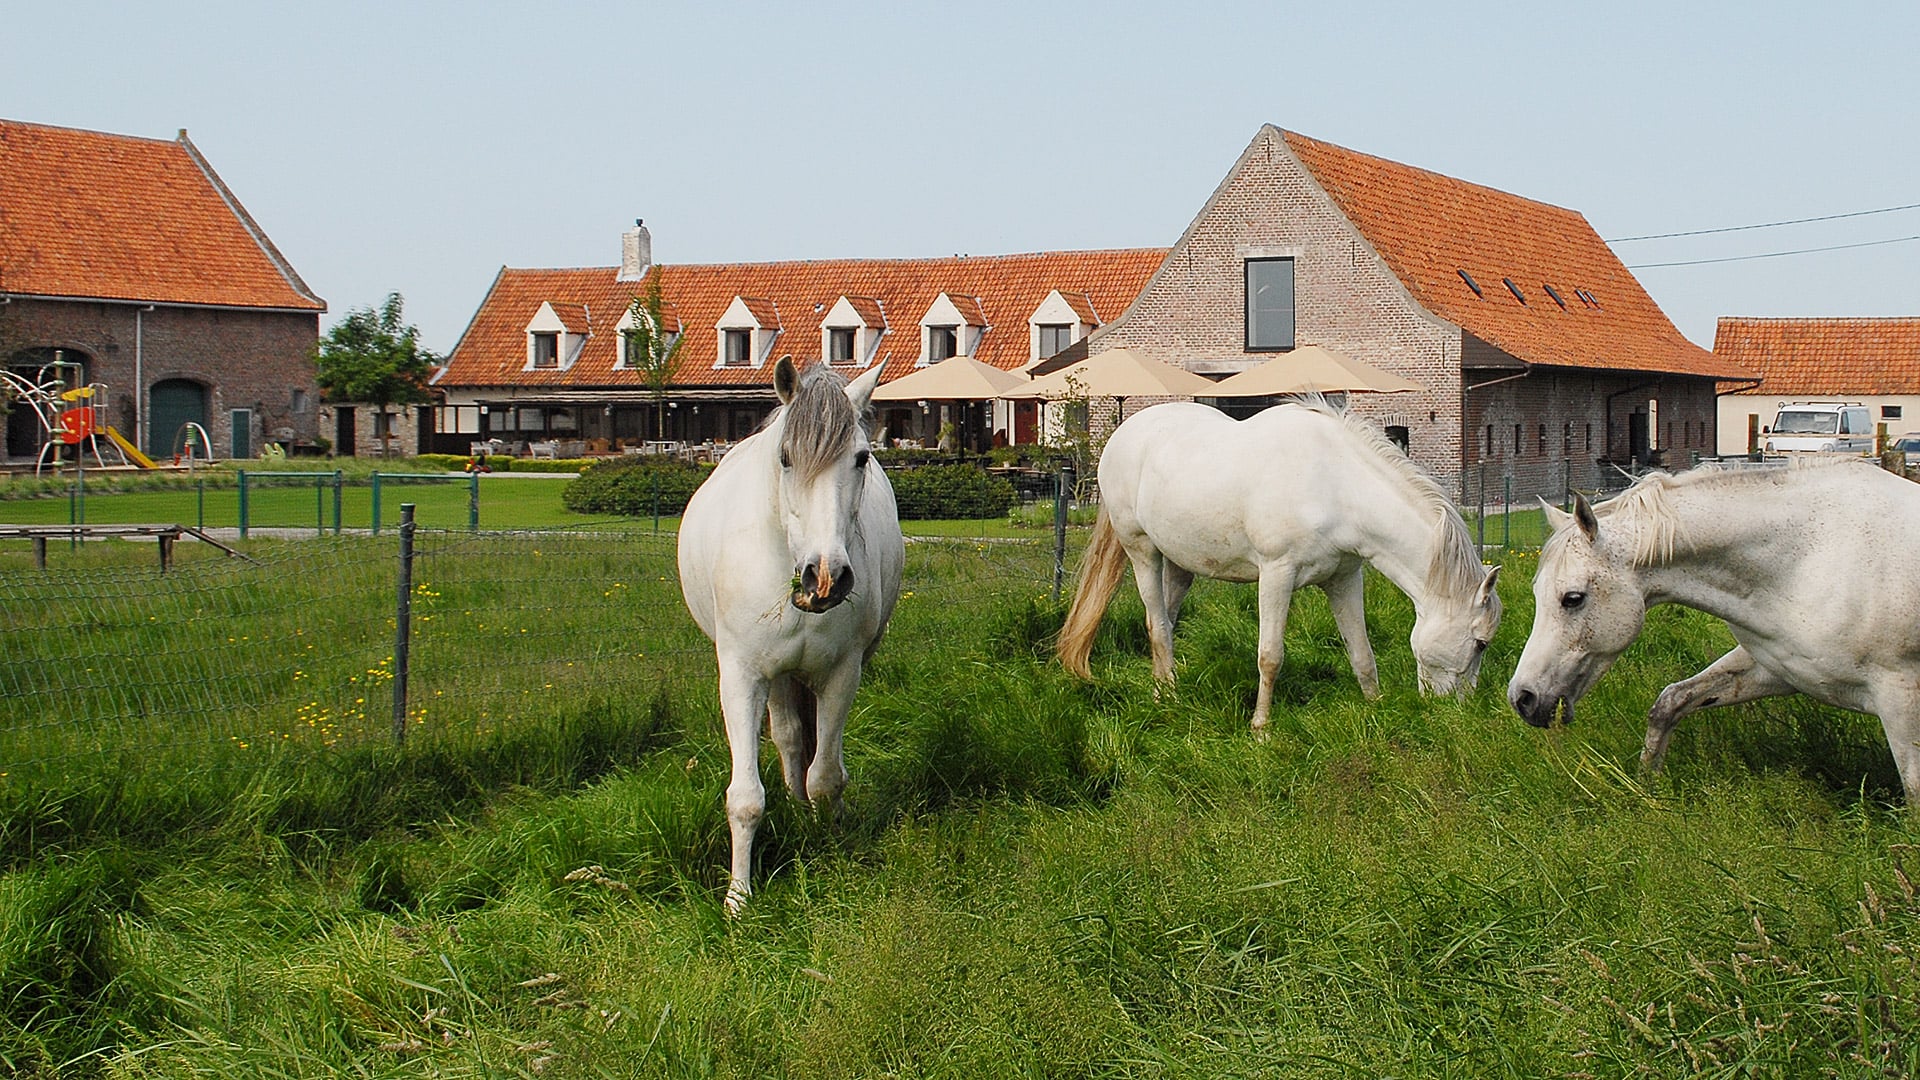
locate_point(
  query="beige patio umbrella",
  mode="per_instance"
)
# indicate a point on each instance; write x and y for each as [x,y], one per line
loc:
[1121,373]
[1311,369]
[957,378]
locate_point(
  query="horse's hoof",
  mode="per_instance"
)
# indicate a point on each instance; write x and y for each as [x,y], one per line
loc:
[736,901]
[1261,734]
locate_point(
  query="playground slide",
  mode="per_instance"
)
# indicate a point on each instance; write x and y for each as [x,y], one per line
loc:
[133,452]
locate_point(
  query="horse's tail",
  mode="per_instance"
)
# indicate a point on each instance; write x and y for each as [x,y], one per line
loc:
[1100,569]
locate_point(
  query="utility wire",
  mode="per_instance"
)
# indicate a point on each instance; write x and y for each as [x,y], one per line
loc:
[1772,254]
[1766,224]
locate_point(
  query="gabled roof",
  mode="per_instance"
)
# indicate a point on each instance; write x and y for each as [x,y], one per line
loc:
[1428,228]
[1082,307]
[969,308]
[1824,357]
[1008,288]
[96,216]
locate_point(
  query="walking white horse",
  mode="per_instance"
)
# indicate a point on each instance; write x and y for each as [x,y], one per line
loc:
[1811,566]
[1296,495]
[790,560]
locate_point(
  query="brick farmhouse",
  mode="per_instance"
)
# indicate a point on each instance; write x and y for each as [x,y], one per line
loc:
[1875,362]
[129,257]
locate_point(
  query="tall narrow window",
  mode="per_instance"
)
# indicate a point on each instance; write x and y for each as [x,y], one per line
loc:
[1516,440]
[942,342]
[1489,450]
[1543,440]
[1269,305]
[1054,338]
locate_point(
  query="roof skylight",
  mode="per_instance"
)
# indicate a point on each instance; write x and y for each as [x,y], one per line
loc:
[1514,289]
[1555,294]
[1472,284]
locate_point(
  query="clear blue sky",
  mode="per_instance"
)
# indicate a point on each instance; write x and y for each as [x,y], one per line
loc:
[417,147]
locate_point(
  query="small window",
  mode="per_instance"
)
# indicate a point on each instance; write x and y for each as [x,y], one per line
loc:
[1543,440]
[1887,412]
[300,402]
[1555,294]
[942,342]
[1055,338]
[1472,284]
[1566,440]
[739,348]
[1589,448]
[1269,304]
[1514,289]
[840,345]
[1397,435]
[1516,440]
[1488,452]
[546,350]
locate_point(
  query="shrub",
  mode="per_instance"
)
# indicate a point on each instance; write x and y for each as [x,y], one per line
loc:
[950,491]
[625,486]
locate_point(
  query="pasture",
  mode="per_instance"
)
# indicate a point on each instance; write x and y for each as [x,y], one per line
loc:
[216,861]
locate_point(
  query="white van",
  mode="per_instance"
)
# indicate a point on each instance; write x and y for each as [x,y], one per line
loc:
[1826,427]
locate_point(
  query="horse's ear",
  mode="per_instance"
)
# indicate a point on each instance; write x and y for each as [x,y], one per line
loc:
[785,377]
[860,390]
[1557,518]
[1583,515]
[1486,586]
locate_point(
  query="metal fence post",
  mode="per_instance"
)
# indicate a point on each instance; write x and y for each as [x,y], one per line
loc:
[1506,516]
[243,504]
[200,504]
[376,504]
[473,501]
[653,479]
[319,505]
[1062,490]
[403,626]
[1481,517]
[337,478]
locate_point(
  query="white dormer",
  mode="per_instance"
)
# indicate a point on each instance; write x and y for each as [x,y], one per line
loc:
[1062,319]
[626,323]
[555,335]
[745,333]
[953,326]
[850,332]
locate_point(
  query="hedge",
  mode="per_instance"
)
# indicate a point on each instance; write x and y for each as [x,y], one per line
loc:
[950,491]
[628,486]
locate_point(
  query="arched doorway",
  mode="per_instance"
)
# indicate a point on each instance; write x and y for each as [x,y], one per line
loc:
[170,404]
[40,367]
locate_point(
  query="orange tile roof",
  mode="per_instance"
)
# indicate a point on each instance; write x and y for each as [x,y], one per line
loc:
[492,352]
[1082,307]
[87,214]
[1824,357]
[573,317]
[868,309]
[765,312]
[969,308]
[1429,227]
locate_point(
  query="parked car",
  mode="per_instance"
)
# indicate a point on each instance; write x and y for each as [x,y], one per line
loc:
[1909,444]
[1825,427]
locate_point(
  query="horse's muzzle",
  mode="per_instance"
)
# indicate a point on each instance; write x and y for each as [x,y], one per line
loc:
[819,593]
[1539,711]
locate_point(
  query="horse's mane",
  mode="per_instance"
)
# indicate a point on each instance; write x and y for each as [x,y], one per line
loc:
[1454,567]
[820,421]
[1646,509]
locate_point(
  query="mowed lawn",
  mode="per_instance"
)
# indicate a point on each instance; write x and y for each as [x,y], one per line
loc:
[241,875]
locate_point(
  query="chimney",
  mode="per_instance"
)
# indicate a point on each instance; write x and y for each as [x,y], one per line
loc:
[636,252]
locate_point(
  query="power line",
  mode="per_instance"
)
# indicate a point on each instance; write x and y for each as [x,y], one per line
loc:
[1766,224]
[1772,254]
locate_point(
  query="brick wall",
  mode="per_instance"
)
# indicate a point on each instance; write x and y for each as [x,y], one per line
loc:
[1564,438]
[1193,311]
[244,359]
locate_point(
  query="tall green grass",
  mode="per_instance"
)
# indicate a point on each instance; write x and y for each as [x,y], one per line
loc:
[1033,876]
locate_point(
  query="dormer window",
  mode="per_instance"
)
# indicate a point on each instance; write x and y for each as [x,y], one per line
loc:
[746,332]
[840,344]
[943,343]
[630,356]
[1062,319]
[850,331]
[953,326]
[556,335]
[546,350]
[739,348]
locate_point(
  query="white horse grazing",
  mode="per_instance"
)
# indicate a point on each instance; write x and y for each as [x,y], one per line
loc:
[790,560]
[1296,495]
[1811,566]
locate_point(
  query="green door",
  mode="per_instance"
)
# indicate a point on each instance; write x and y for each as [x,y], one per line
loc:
[171,405]
[242,434]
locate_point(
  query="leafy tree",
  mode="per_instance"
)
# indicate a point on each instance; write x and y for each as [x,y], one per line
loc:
[651,349]
[375,357]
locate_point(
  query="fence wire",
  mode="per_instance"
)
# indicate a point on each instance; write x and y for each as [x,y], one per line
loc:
[110,667]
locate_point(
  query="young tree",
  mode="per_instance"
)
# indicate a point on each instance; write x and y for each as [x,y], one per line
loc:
[651,349]
[375,357]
